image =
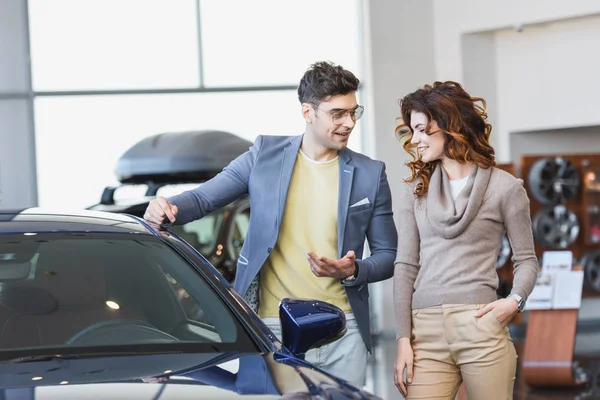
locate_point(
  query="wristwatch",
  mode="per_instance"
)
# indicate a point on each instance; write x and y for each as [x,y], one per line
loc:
[520,301]
[352,278]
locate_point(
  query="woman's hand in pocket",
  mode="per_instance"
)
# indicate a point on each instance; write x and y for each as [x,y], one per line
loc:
[503,310]
[404,361]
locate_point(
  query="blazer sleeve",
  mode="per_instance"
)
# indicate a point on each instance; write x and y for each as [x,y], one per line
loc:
[229,185]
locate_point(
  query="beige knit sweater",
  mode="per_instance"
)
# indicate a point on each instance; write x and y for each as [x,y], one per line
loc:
[447,248]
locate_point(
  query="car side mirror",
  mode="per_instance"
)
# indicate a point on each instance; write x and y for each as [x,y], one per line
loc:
[306,324]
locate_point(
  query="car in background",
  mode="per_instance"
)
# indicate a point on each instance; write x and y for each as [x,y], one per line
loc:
[96,304]
[170,163]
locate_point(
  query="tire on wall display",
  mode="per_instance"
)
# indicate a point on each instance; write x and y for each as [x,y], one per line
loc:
[504,253]
[555,227]
[553,180]
[591,270]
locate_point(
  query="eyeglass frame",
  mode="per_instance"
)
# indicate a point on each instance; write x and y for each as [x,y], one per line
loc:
[346,112]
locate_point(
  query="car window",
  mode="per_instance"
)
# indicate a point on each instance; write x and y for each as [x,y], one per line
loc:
[202,233]
[105,289]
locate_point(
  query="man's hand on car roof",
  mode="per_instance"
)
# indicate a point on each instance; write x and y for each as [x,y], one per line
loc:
[159,209]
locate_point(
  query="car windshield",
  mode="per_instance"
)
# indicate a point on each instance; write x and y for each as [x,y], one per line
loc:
[102,291]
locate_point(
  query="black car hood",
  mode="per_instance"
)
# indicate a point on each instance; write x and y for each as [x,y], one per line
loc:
[201,376]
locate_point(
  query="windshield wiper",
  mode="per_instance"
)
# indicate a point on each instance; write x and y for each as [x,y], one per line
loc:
[50,357]
[48,354]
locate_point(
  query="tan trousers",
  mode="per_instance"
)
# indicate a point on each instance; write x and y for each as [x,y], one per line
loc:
[451,345]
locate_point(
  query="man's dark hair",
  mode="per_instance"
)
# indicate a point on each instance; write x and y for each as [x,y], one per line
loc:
[323,80]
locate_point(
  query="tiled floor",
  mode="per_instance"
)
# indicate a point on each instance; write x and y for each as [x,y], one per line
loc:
[380,373]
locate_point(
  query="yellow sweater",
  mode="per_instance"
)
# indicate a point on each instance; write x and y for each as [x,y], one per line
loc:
[310,223]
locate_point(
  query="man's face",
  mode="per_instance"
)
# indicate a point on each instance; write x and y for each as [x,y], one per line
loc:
[332,121]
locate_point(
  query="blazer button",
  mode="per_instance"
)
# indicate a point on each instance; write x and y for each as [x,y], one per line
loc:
[269,249]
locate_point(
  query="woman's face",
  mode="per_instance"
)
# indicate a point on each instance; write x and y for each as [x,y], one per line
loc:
[429,147]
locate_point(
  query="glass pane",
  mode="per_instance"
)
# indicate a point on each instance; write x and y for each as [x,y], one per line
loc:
[80,139]
[269,42]
[113,44]
[87,291]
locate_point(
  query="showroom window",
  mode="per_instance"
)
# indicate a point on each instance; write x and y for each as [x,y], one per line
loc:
[113,44]
[107,73]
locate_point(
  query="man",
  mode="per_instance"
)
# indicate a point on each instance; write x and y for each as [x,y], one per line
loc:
[313,202]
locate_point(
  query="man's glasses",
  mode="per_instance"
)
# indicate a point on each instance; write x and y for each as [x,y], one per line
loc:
[339,117]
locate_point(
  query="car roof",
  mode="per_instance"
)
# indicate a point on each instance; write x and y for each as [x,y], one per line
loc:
[37,219]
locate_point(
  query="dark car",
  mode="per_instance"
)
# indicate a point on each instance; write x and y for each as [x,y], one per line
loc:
[94,304]
[218,236]
[169,163]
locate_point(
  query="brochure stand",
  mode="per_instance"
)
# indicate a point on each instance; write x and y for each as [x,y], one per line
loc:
[549,345]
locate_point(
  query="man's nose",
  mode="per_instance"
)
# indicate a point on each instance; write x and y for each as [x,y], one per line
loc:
[349,122]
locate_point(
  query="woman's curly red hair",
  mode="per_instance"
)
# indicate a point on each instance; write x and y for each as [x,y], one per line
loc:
[459,117]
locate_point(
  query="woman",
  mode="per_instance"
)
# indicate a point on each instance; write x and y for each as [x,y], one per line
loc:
[454,209]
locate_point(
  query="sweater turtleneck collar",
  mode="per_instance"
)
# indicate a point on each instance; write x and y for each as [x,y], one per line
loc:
[449,217]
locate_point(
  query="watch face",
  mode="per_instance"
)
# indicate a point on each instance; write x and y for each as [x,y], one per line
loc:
[520,302]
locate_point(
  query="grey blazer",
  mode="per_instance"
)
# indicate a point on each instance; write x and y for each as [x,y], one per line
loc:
[264,172]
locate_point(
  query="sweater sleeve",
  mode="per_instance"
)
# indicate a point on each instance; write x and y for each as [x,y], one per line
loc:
[406,267]
[517,221]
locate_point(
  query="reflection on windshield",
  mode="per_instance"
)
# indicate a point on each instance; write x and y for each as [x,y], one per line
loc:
[104,290]
[273,374]
[191,308]
[254,376]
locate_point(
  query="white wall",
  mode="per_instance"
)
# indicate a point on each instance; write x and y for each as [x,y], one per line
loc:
[456,17]
[530,78]
[547,76]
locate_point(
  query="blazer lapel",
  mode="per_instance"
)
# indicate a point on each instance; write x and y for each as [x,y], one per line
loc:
[345,188]
[288,160]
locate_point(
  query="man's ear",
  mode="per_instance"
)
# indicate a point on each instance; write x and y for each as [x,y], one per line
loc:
[307,113]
